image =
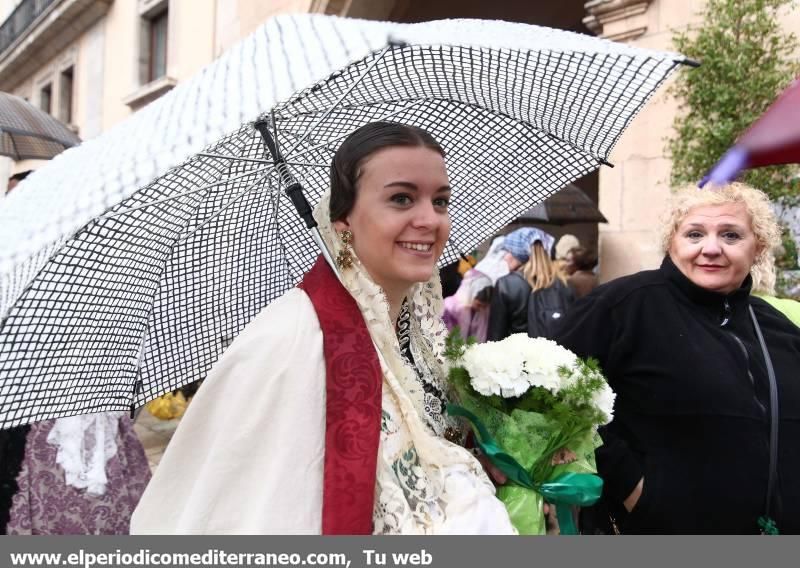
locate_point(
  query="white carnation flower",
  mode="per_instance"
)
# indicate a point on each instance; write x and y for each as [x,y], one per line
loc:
[603,400]
[543,359]
[495,369]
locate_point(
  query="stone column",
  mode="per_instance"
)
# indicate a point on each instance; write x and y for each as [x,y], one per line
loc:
[633,193]
[618,20]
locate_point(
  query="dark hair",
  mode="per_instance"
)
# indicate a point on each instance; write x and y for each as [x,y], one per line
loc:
[360,145]
[21,175]
[583,258]
[485,295]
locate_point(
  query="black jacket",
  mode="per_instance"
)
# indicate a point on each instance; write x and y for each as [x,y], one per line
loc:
[692,408]
[515,309]
[508,313]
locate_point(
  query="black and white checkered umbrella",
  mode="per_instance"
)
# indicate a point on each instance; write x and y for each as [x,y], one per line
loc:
[115,288]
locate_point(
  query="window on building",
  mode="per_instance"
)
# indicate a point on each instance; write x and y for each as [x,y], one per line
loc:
[46,98]
[157,60]
[66,85]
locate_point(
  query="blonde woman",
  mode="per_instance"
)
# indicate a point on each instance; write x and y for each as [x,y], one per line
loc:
[532,298]
[707,420]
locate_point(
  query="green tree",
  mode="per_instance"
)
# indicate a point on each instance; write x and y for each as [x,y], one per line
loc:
[747,60]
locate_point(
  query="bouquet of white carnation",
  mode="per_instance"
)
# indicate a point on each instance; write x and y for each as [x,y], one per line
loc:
[531,400]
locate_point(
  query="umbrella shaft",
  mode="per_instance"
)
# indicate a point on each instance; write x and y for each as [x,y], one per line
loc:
[295,193]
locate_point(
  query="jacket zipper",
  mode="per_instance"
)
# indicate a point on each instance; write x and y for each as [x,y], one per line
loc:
[749,373]
[740,343]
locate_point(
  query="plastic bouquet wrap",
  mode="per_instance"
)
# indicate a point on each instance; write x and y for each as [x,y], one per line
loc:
[529,400]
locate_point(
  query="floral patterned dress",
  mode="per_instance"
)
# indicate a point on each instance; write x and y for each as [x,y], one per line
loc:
[45,504]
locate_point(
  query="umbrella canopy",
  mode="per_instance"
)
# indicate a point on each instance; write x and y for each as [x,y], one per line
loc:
[29,133]
[772,140]
[568,205]
[175,234]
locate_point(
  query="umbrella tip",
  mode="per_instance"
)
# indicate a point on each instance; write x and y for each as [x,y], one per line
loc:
[396,42]
[689,62]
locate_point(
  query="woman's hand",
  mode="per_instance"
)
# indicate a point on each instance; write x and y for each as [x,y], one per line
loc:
[491,470]
[551,520]
[631,501]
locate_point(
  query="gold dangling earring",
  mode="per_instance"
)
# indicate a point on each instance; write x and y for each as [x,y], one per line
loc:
[344,259]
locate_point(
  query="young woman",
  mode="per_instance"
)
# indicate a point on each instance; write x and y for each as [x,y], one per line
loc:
[326,415]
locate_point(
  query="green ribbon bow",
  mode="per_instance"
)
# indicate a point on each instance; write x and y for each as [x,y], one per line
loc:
[567,489]
[768,526]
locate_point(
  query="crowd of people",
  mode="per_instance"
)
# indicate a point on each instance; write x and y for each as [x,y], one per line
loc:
[334,420]
[526,282]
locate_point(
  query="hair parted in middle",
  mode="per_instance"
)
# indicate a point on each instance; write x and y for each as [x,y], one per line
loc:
[540,271]
[358,147]
[762,218]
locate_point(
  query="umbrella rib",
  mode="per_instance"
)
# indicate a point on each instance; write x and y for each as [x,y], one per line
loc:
[387,116]
[184,194]
[14,143]
[243,193]
[347,91]
[257,160]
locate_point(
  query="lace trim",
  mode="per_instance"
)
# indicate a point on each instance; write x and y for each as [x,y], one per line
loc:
[434,398]
[84,446]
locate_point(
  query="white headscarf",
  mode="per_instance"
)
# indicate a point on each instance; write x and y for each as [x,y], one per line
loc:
[493,264]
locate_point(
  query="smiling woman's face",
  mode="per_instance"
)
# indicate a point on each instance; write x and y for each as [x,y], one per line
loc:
[715,247]
[400,221]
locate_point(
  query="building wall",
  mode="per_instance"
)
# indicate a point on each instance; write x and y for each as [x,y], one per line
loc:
[190,46]
[107,57]
[237,19]
[634,193]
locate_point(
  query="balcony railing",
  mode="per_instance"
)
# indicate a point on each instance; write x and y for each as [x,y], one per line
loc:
[20,20]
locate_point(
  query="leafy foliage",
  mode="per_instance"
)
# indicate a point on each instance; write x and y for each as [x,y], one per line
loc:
[747,60]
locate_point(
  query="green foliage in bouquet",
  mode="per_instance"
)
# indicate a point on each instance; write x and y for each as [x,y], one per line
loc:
[530,429]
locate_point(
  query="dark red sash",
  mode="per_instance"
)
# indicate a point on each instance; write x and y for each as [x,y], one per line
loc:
[353,405]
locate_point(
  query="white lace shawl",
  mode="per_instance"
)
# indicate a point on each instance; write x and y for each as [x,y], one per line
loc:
[84,446]
[425,484]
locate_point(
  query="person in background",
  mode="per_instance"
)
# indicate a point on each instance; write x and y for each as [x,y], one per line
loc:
[81,475]
[468,308]
[707,419]
[565,244]
[579,266]
[518,304]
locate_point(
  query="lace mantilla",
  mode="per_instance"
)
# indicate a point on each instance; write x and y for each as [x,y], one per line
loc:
[425,484]
[434,396]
